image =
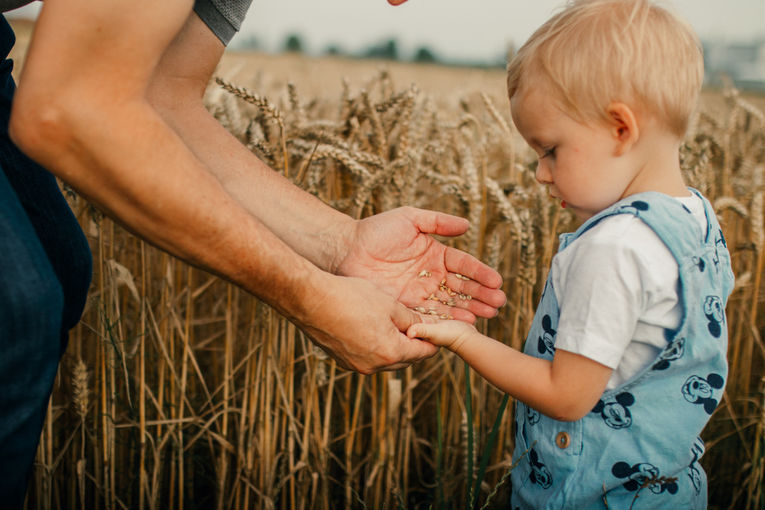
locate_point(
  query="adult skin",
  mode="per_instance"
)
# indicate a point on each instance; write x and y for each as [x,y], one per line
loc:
[110,100]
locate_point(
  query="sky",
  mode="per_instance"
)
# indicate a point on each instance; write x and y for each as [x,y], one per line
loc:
[478,30]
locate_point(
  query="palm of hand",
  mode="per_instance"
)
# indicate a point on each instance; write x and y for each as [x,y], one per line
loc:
[395,251]
[392,255]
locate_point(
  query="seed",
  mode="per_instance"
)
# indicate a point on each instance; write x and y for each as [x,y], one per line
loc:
[461,277]
[447,302]
[424,274]
[448,290]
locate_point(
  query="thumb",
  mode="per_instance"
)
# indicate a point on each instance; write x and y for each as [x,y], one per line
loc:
[403,317]
[433,222]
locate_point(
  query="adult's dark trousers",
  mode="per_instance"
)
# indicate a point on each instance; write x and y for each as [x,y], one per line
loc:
[45,271]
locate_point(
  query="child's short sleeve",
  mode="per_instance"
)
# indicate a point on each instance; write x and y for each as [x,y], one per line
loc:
[616,287]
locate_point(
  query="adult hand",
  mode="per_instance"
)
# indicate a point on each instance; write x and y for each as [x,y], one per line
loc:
[395,250]
[360,326]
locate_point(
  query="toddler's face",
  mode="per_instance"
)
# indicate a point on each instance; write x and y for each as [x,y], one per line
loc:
[577,162]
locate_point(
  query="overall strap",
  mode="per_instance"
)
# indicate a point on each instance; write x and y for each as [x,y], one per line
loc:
[668,218]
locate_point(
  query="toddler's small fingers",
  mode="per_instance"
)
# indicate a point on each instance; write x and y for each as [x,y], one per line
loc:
[413,331]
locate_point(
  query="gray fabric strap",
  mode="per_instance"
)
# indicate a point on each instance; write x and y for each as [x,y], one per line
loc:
[224,17]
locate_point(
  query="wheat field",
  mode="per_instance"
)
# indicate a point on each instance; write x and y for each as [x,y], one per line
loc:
[179,390]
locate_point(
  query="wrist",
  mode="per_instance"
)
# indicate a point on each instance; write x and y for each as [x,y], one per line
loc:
[277,275]
[461,344]
[308,289]
[339,244]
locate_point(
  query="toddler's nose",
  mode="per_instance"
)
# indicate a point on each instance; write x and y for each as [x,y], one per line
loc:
[542,174]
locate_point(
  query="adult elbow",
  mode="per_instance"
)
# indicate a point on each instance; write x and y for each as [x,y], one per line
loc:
[38,127]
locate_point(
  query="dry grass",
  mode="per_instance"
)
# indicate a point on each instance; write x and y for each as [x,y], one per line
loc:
[195,395]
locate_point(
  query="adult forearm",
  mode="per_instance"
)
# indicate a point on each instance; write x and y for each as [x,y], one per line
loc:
[124,158]
[176,89]
[311,228]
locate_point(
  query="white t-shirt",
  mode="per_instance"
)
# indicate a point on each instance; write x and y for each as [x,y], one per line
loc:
[617,290]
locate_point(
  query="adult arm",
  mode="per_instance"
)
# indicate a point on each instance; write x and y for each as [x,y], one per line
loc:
[566,388]
[82,111]
[390,249]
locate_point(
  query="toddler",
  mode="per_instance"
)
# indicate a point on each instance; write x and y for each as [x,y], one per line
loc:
[626,357]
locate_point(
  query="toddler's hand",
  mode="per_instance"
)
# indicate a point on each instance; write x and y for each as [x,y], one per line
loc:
[450,334]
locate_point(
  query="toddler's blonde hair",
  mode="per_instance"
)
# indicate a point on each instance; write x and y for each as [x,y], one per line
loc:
[594,52]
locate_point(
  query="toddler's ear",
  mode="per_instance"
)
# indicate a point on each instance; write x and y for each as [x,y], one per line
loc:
[624,126]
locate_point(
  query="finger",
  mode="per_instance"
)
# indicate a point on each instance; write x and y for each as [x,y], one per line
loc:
[403,317]
[428,318]
[417,331]
[434,334]
[457,261]
[434,222]
[411,350]
[414,350]
[462,299]
[462,314]
[483,310]
[444,303]
[473,296]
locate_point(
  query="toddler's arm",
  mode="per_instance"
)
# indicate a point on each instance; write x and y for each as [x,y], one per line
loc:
[565,389]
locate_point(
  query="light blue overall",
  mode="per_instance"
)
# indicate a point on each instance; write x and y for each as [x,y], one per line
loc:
[640,445]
